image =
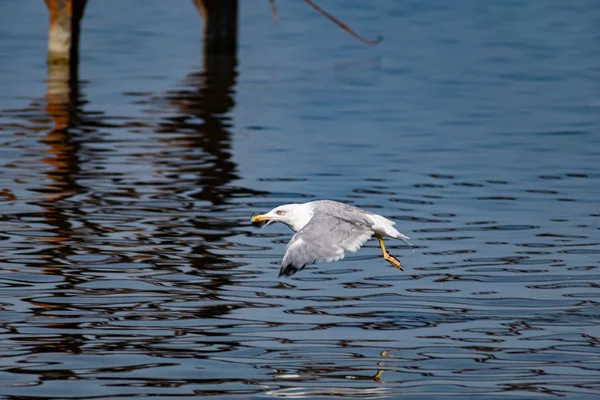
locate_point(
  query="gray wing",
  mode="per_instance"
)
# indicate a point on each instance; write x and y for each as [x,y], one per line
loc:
[324,238]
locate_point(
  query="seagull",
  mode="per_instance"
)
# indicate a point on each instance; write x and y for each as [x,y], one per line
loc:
[325,229]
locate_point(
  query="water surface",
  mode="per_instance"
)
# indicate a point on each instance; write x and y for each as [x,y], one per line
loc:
[128,267]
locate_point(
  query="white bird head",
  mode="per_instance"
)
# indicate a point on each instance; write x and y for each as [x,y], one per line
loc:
[293,215]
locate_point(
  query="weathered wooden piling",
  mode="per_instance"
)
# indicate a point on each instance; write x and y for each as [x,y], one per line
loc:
[63,33]
[220,27]
[220,24]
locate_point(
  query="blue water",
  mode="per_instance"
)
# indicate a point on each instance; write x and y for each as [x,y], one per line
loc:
[129,268]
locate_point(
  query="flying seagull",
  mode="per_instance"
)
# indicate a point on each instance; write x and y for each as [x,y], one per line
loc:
[325,229]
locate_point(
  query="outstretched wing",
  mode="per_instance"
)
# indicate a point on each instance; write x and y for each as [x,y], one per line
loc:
[324,238]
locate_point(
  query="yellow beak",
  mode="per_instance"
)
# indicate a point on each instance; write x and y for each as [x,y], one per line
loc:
[260,217]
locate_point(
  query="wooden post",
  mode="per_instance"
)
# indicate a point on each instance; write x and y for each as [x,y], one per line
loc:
[220,24]
[63,33]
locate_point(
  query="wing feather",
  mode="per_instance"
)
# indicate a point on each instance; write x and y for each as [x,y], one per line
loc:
[324,238]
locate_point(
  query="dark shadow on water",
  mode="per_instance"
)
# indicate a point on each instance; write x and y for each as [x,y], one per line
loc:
[202,124]
[83,218]
[203,104]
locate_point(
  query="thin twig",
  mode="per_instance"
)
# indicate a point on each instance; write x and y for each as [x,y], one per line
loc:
[274,11]
[339,23]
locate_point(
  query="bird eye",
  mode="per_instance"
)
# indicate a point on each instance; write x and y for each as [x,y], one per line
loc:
[279,212]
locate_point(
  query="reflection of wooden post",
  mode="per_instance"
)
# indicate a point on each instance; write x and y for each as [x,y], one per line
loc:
[220,24]
[63,34]
[61,104]
[60,98]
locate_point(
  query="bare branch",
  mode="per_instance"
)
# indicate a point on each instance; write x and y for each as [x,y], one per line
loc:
[274,11]
[339,23]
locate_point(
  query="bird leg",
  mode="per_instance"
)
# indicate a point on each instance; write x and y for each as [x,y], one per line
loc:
[387,256]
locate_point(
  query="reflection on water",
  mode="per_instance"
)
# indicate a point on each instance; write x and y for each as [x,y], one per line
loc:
[128,266]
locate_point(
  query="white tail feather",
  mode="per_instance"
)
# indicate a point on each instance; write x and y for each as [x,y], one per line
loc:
[385,227]
[393,232]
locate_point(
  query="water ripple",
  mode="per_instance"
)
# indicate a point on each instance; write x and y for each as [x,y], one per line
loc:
[129,268]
